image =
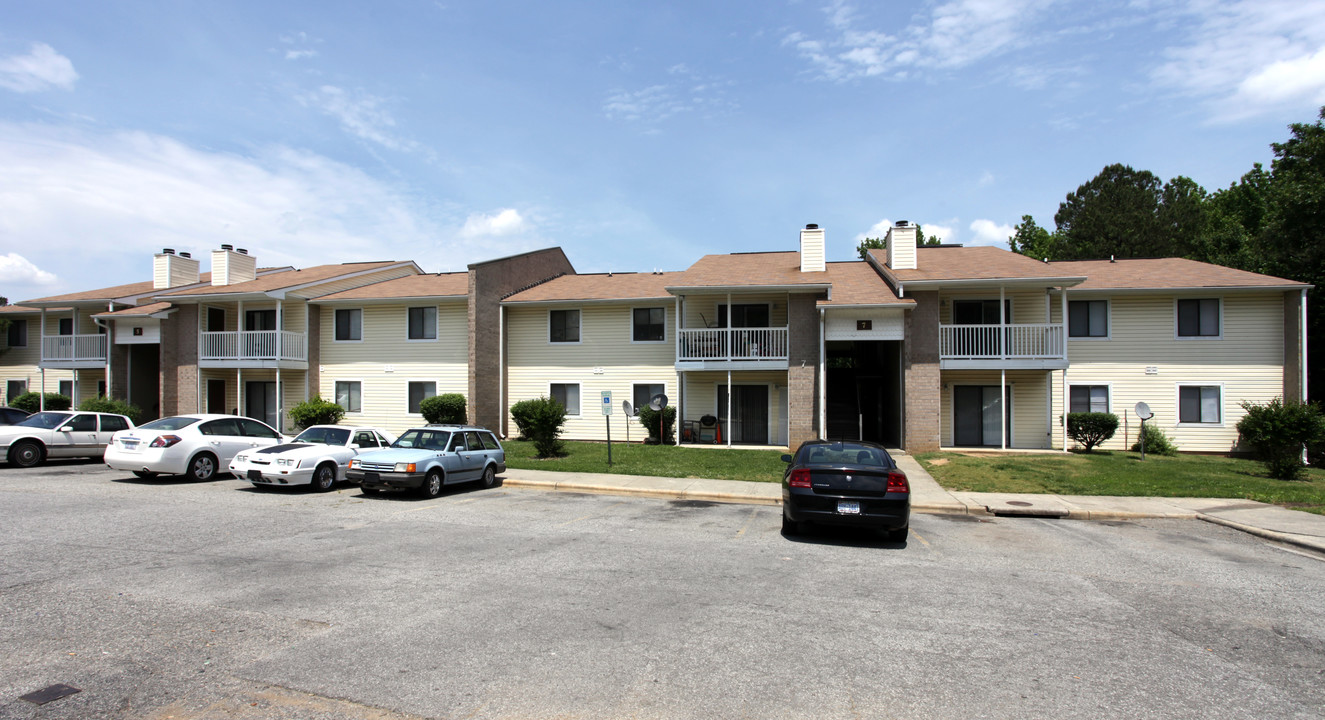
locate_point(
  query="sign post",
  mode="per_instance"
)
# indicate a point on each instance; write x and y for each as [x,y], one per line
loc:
[607,417]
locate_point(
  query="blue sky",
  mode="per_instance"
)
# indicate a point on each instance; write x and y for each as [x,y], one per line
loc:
[636,136]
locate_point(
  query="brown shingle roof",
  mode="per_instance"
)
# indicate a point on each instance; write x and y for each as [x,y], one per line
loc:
[131,289]
[857,283]
[136,311]
[935,264]
[1165,274]
[599,286]
[283,280]
[410,286]
[17,309]
[778,269]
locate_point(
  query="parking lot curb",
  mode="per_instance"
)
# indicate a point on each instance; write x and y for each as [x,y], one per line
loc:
[665,493]
[1314,545]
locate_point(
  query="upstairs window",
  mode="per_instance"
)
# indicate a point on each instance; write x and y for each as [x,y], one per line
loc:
[349,325]
[18,333]
[564,326]
[744,316]
[422,323]
[1088,318]
[66,326]
[979,312]
[1198,318]
[648,324]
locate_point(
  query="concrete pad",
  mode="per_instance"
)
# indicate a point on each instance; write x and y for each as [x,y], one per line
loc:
[927,496]
[1098,507]
[735,491]
[1017,504]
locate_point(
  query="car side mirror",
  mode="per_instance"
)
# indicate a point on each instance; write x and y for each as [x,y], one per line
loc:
[353,446]
[786,458]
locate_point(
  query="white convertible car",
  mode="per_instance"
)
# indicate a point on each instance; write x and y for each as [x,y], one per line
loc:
[318,456]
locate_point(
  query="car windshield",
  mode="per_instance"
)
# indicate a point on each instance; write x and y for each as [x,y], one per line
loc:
[844,454]
[45,420]
[423,440]
[169,423]
[325,436]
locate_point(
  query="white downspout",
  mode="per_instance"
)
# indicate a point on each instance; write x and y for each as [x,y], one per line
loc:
[501,369]
[1063,309]
[729,384]
[41,402]
[823,379]
[1304,346]
[110,343]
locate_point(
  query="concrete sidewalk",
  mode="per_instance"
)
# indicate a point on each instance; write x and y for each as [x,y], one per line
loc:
[1272,522]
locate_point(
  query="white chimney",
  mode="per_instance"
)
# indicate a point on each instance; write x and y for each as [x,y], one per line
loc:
[230,266]
[901,240]
[812,249]
[170,270]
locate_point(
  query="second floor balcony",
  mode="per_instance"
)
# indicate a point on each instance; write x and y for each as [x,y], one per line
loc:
[74,351]
[1010,346]
[253,348]
[738,348]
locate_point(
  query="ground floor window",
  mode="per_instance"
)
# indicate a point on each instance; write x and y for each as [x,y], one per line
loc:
[1199,404]
[67,388]
[349,395]
[1089,398]
[568,394]
[417,392]
[643,393]
[14,388]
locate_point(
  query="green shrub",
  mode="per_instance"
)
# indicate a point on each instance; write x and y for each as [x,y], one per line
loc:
[1278,431]
[119,407]
[648,417]
[31,402]
[541,420]
[448,408]
[316,411]
[1091,428]
[1157,443]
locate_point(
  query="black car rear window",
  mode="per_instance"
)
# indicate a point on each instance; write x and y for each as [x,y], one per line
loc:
[843,454]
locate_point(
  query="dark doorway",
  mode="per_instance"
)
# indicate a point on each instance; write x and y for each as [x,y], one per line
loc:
[144,376]
[260,401]
[975,412]
[216,396]
[749,422]
[260,320]
[865,391]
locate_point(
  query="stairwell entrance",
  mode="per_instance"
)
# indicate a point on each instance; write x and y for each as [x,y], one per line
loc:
[864,391]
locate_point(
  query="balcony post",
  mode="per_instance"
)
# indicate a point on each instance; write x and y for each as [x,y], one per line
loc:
[280,328]
[729,347]
[1003,322]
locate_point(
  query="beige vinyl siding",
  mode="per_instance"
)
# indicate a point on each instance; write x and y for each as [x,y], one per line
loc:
[701,395]
[1027,307]
[702,310]
[384,362]
[231,388]
[87,383]
[32,374]
[342,285]
[1247,361]
[1027,392]
[604,359]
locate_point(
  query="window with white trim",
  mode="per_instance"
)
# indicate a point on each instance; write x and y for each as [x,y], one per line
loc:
[642,393]
[67,388]
[1198,318]
[422,323]
[1088,398]
[349,395]
[349,325]
[418,391]
[18,333]
[1200,404]
[14,388]
[648,324]
[1088,318]
[568,394]
[563,326]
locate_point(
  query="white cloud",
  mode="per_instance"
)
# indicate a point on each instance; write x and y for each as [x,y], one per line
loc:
[299,54]
[359,113]
[986,178]
[877,230]
[1248,57]
[988,232]
[18,270]
[505,222]
[684,91]
[93,207]
[943,232]
[40,69]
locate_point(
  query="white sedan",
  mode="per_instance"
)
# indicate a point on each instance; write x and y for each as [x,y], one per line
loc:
[198,446]
[318,457]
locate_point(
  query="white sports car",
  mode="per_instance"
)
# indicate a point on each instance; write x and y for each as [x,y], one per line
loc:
[318,456]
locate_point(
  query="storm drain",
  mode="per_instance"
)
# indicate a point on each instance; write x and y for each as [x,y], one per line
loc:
[1021,508]
[49,694]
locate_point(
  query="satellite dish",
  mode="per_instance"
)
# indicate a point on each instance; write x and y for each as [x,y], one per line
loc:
[658,402]
[626,408]
[1143,411]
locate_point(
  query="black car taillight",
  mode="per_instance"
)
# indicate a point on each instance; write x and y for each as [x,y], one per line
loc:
[897,482]
[801,478]
[165,441]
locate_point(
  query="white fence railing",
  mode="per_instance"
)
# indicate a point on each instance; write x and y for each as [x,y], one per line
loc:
[74,348]
[987,342]
[253,345]
[733,344]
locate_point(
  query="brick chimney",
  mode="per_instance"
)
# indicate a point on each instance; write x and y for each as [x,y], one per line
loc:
[170,270]
[901,240]
[812,249]
[231,266]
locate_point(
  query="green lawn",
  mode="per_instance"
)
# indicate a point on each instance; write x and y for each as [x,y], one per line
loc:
[662,461]
[1124,473]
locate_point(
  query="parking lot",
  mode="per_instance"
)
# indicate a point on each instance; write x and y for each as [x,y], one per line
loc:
[172,599]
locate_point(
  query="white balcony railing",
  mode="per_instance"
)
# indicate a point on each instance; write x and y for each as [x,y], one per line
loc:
[73,348]
[253,345]
[994,342]
[733,344]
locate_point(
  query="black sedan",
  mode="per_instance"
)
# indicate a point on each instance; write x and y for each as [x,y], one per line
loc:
[845,483]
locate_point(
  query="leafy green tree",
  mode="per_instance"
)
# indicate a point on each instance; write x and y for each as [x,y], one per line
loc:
[316,411]
[1113,213]
[1031,240]
[1279,431]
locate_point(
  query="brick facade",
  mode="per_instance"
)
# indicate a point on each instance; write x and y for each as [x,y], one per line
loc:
[802,369]
[920,410]
[179,361]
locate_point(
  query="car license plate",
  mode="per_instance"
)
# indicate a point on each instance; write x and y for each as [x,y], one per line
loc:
[371,477]
[254,474]
[848,508]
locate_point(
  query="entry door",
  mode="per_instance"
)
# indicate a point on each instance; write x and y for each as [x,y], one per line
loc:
[260,401]
[216,396]
[976,410]
[749,422]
